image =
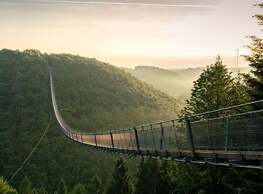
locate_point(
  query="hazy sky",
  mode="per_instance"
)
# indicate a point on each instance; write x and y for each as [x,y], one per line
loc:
[167,33]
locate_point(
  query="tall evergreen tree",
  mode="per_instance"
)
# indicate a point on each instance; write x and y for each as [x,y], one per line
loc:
[42,190]
[35,191]
[26,186]
[215,89]
[96,186]
[255,59]
[167,179]
[149,177]
[79,189]
[62,188]
[121,183]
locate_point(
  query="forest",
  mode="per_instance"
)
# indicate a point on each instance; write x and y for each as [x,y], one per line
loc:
[27,111]
[96,96]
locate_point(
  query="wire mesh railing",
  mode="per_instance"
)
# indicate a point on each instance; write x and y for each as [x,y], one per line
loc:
[230,132]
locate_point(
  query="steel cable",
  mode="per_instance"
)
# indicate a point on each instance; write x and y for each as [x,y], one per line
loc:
[31,153]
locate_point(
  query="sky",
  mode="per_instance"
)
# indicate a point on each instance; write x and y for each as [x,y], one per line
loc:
[168,33]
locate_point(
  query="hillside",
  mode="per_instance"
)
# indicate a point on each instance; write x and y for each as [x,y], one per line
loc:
[175,82]
[105,97]
[91,95]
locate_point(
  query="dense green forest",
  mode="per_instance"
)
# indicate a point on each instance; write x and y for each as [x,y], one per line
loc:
[105,97]
[92,96]
[62,166]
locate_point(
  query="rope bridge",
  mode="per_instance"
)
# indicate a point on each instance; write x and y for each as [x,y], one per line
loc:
[230,136]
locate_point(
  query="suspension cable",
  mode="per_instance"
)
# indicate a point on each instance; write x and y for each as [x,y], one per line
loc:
[125,161]
[228,108]
[31,153]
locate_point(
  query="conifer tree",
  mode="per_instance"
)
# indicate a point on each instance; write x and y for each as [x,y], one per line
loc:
[215,89]
[42,190]
[96,185]
[79,189]
[148,177]
[255,80]
[167,178]
[35,191]
[62,188]
[120,182]
[26,186]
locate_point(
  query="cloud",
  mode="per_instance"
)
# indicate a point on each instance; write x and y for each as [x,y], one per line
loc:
[190,4]
[63,11]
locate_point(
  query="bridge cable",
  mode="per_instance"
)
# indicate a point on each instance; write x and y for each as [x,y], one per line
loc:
[125,161]
[31,153]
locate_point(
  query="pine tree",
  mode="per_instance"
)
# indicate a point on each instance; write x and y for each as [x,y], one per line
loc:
[239,93]
[167,178]
[121,183]
[96,186]
[215,89]
[255,59]
[79,189]
[62,188]
[35,191]
[149,177]
[42,190]
[26,186]
[188,178]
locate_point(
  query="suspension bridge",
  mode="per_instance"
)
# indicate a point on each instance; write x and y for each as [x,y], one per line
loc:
[230,137]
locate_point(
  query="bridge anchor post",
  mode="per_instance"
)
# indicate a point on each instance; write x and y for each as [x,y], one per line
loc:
[137,139]
[95,140]
[112,142]
[226,126]
[190,136]
[162,136]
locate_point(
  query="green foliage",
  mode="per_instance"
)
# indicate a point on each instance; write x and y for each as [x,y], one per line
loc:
[26,186]
[215,89]
[35,191]
[148,177]
[42,190]
[5,188]
[96,185]
[62,187]
[79,189]
[120,182]
[169,177]
[255,79]
[255,59]
[104,97]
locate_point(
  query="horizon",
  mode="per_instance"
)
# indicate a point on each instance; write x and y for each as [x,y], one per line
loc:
[171,34]
[178,68]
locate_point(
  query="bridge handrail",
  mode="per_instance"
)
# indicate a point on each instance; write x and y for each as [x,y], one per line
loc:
[229,116]
[227,108]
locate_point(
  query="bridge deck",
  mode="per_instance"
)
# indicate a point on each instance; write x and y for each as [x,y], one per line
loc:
[228,139]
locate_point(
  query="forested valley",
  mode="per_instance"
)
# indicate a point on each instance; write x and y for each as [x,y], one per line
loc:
[96,96]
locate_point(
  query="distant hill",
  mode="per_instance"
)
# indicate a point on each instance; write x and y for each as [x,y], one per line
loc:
[92,96]
[175,82]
